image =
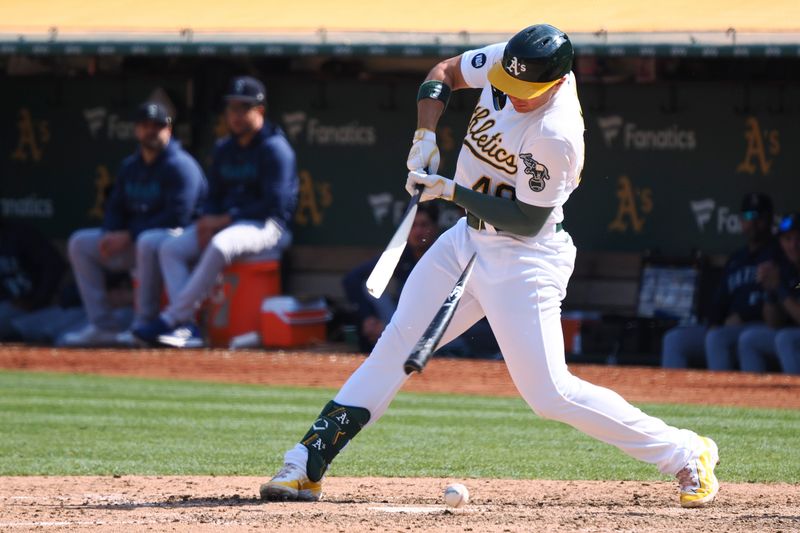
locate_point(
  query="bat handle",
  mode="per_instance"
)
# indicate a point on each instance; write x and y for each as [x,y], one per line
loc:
[419,188]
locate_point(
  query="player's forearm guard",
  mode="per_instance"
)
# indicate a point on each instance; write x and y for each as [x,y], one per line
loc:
[332,430]
[435,90]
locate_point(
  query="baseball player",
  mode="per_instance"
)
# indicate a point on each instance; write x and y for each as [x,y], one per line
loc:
[779,338]
[252,195]
[521,158]
[738,301]
[31,270]
[156,193]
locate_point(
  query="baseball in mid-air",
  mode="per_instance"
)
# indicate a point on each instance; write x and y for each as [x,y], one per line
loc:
[456,495]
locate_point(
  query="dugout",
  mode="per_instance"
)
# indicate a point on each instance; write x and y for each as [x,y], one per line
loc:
[685,110]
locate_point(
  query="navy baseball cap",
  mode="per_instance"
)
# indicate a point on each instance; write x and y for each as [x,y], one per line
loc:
[246,89]
[789,223]
[755,205]
[154,112]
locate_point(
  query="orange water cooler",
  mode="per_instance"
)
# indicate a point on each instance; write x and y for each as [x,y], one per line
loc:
[287,322]
[234,307]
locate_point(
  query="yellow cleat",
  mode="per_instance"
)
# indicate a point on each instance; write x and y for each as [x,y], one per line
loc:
[291,484]
[699,485]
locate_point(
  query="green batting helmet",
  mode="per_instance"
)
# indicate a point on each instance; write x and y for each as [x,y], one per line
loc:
[533,61]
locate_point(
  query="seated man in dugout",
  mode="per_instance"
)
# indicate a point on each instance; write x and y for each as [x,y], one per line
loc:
[738,302]
[252,196]
[31,270]
[372,314]
[155,195]
[760,346]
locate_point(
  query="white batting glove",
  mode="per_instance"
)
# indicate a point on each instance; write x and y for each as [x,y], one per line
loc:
[424,154]
[436,186]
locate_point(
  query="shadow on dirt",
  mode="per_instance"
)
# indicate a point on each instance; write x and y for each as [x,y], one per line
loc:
[176,502]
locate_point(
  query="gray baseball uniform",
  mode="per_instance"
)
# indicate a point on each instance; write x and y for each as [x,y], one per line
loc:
[146,200]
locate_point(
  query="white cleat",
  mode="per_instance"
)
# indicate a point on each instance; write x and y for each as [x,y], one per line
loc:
[699,485]
[291,483]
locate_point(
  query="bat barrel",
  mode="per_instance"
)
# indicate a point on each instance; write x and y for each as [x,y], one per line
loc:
[412,366]
[427,344]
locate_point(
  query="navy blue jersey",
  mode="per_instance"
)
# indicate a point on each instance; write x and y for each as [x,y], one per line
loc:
[739,292]
[790,281]
[163,194]
[254,182]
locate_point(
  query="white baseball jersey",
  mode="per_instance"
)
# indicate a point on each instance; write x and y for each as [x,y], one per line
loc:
[536,156]
[518,283]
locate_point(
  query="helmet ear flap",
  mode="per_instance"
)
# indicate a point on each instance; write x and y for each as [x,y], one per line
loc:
[498,98]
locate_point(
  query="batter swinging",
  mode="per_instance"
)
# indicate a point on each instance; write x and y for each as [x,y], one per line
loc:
[521,158]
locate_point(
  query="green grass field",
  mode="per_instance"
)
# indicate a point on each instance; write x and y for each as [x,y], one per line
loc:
[58,424]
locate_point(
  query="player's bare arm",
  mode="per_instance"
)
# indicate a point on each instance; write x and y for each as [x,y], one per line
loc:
[432,99]
[449,73]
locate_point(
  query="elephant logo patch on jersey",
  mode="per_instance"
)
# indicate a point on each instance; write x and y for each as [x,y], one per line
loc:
[539,173]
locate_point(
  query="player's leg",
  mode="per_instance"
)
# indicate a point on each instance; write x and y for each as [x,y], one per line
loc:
[756,346]
[376,382]
[149,283]
[682,345]
[341,419]
[240,239]
[721,347]
[368,392]
[175,325]
[176,257]
[89,269]
[524,311]
[787,344]
[176,254]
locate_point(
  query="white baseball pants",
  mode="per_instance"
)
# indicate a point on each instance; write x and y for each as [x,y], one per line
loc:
[243,239]
[518,284]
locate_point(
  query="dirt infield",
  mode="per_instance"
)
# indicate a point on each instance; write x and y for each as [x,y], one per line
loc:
[384,504]
[442,375]
[132,503]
